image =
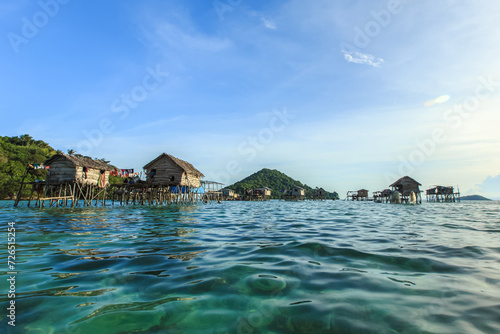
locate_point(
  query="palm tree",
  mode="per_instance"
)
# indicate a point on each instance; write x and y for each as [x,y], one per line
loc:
[71,151]
[26,139]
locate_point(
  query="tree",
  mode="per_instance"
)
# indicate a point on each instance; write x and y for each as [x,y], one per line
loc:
[25,140]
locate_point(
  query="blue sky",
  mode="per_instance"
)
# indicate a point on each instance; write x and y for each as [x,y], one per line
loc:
[340,94]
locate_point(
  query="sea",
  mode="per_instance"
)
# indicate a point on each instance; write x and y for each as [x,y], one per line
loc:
[252,267]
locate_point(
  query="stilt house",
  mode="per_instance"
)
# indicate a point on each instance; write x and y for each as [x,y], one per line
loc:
[167,170]
[68,168]
[319,194]
[298,191]
[358,195]
[295,194]
[229,194]
[264,191]
[383,196]
[258,194]
[405,186]
[442,194]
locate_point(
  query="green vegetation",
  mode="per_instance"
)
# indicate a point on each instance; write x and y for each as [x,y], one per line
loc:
[15,154]
[275,180]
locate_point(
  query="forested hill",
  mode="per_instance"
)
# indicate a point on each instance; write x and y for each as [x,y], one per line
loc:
[15,154]
[273,179]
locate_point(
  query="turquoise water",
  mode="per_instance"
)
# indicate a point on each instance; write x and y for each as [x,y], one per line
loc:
[256,267]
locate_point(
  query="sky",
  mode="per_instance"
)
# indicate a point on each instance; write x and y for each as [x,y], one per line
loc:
[341,94]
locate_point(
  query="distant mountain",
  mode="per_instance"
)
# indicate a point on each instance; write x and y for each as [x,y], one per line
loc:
[273,179]
[474,198]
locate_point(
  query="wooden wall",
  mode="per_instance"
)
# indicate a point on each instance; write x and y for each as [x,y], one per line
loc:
[363,193]
[61,170]
[191,180]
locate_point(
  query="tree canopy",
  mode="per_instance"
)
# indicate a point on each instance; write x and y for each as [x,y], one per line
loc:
[15,154]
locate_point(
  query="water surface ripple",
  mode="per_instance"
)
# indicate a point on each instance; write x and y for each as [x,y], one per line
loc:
[256,267]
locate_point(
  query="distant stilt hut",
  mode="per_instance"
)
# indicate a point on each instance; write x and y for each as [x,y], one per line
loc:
[295,194]
[258,194]
[319,194]
[358,195]
[442,194]
[363,193]
[228,195]
[213,191]
[383,196]
[71,178]
[405,186]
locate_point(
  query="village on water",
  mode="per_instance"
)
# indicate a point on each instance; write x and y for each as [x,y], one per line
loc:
[75,180]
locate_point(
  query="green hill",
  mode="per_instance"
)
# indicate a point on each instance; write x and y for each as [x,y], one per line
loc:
[275,180]
[15,154]
[474,198]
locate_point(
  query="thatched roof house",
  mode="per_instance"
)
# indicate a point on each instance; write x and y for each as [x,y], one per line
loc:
[406,185]
[67,168]
[171,171]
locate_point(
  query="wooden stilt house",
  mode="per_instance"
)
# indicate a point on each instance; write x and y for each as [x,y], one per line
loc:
[258,194]
[75,168]
[363,194]
[442,194]
[405,186]
[71,178]
[167,170]
[358,195]
[295,194]
[229,194]
[383,196]
[319,194]
[263,191]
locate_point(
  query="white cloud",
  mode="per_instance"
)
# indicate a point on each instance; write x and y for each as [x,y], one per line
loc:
[490,186]
[362,58]
[268,23]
